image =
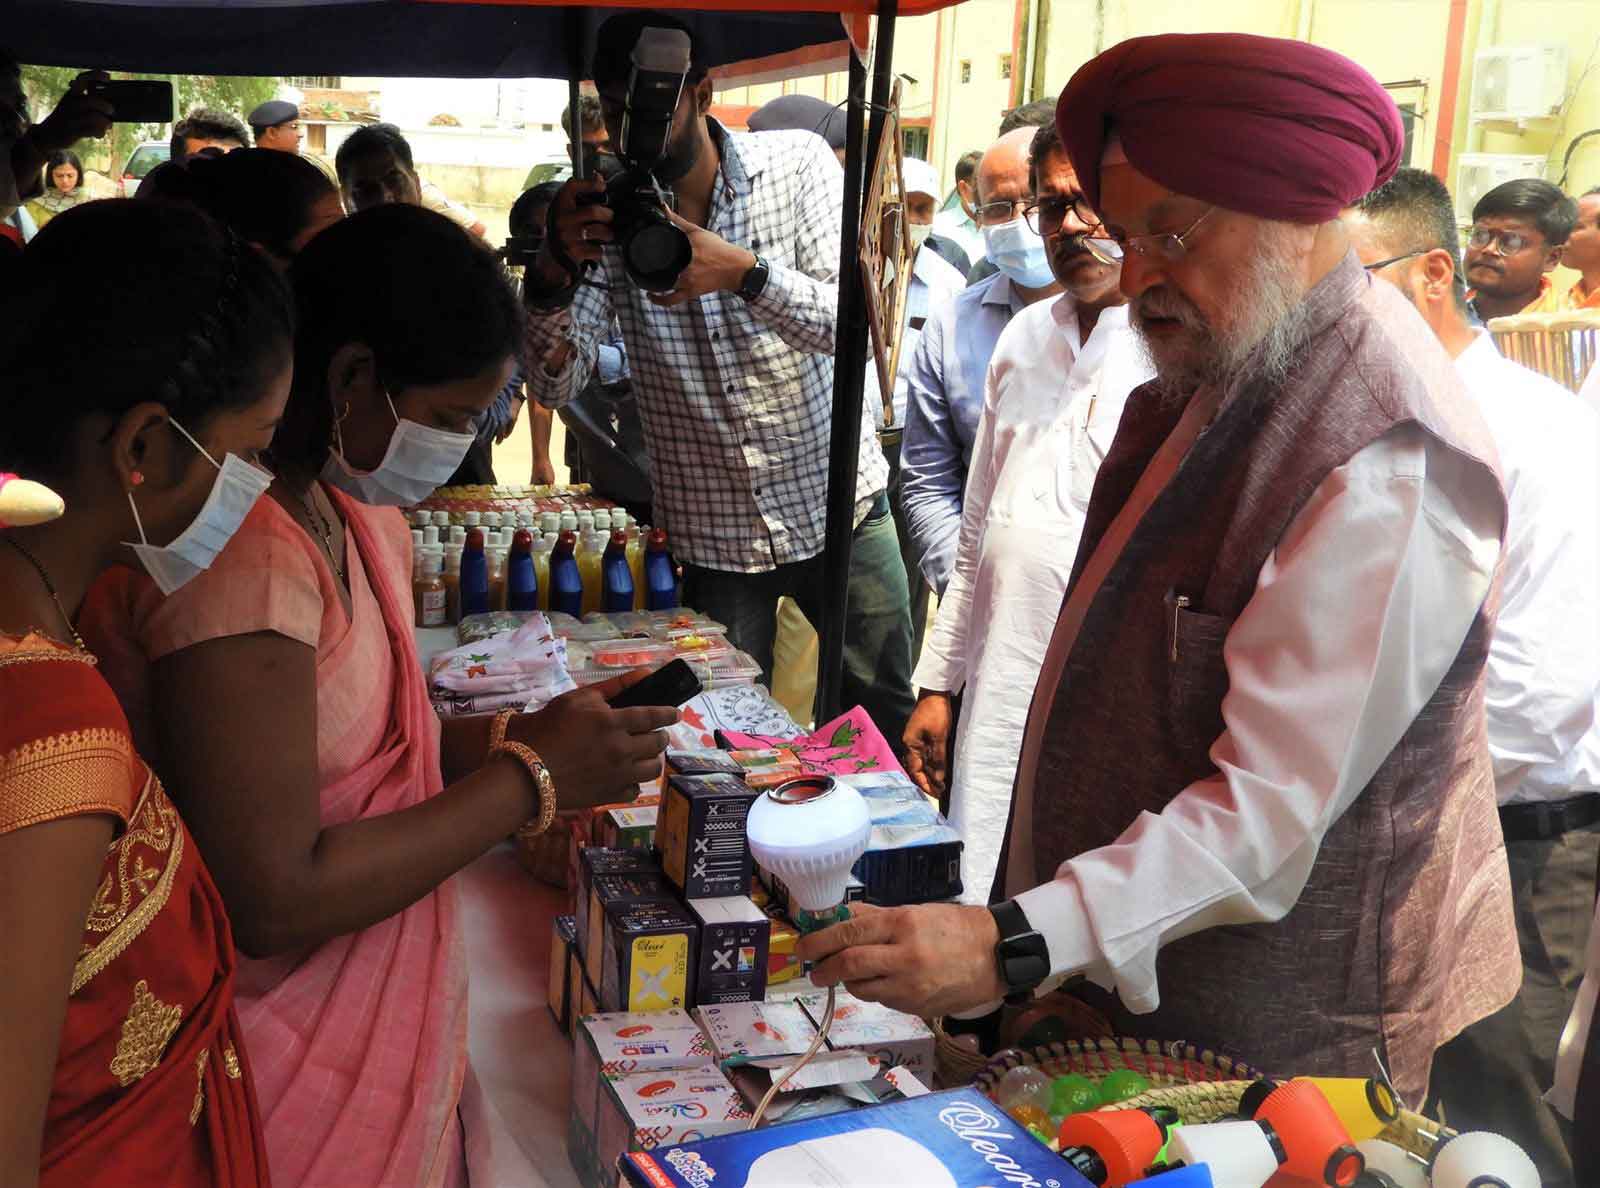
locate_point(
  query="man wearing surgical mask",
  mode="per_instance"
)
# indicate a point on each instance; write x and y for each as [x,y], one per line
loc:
[25,146]
[933,278]
[944,374]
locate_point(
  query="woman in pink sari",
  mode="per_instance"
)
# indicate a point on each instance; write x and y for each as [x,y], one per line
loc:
[292,723]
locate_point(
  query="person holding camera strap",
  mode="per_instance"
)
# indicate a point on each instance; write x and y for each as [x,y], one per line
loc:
[727,306]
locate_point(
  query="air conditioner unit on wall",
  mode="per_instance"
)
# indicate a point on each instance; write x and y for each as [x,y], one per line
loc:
[1513,83]
[1478,173]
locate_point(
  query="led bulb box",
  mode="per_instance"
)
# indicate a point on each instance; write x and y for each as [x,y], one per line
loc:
[647,957]
[734,939]
[636,889]
[597,860]
[701,835]
[957,1139]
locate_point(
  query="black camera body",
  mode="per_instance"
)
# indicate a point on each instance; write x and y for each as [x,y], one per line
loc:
[655,251]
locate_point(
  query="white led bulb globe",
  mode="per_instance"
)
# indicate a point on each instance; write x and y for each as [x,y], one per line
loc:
[809,833]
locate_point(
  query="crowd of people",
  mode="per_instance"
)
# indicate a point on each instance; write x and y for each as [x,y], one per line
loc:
[1263,685]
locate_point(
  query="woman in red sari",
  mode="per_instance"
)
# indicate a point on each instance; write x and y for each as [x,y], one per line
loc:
[142,397]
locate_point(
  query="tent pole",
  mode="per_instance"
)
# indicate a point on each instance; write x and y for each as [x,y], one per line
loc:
[849,373]
[573,21]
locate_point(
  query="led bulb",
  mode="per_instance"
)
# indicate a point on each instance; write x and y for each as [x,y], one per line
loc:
[809,832]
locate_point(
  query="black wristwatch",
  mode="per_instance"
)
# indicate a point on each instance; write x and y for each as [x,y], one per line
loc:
[1021,954]
[755,281]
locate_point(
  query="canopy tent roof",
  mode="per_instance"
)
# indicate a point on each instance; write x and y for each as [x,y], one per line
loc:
[391,38]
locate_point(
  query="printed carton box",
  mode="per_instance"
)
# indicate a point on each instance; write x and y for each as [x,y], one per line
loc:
[734,939]
[957,1139]
[700,833]
[894,1037]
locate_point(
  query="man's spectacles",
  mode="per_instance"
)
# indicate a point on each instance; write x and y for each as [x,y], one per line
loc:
[992,214]
[1382,264]
[1505,243]
[1047,215]
[1168,248]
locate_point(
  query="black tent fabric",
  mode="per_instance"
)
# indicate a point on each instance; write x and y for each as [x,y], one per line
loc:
[389,38]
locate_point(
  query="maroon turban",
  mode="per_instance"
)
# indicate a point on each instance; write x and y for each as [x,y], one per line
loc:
[1261,125]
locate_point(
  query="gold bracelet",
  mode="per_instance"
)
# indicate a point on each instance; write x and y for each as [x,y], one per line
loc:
[497,732]
[529,758]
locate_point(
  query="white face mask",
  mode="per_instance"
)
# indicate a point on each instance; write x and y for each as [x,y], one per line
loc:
[418,461]
[1018,251]
[919,234]
[233,493]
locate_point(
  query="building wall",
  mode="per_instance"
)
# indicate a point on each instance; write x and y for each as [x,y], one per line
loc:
[1397,40]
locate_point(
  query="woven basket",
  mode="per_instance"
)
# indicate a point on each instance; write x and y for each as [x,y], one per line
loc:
[1209,1082]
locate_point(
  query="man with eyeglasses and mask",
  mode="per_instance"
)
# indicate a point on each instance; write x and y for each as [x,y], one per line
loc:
[1544,664]
[1254,807]
[1057,382]
[1518,231]
[944,375]
[732,365]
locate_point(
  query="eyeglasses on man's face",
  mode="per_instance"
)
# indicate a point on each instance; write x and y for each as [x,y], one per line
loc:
[1168,248]
[1503,243]
[993,214]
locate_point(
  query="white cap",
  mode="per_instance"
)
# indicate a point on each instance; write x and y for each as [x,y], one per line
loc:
[473,519]
[602,520]
[492,519]
[550,522]
[458,534]
[430,535]
[569,521]
[441,519]
[920,177]
[416,539]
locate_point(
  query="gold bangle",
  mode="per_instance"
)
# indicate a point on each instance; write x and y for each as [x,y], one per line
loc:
[542,781]
[497,731]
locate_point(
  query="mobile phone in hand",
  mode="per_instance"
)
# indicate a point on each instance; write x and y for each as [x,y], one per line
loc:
[670,685]
[135,100]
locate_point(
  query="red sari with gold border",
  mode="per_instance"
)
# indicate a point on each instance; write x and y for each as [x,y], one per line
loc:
[151,1085]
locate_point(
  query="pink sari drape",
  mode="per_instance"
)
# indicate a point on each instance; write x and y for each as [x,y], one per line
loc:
[361,1043]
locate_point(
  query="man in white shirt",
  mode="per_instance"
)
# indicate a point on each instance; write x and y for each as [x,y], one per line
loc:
[959,223]
[933,279]
[1056,386]
[1254,796]
[1544,664]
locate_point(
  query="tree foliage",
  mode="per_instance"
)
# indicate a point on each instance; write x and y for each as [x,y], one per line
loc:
[239,95]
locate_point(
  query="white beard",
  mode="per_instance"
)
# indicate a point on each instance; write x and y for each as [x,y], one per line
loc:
[1268,335]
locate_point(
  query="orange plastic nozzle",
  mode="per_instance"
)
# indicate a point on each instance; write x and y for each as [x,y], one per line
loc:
[1318,1146]
[1126,1141]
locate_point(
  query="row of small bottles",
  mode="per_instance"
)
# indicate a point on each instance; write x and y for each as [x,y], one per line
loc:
[579,563]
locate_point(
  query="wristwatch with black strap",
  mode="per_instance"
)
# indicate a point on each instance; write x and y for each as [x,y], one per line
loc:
[1021,954]
[755,280]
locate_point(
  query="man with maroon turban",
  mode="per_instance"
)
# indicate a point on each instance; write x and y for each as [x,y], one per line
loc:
[1254,798]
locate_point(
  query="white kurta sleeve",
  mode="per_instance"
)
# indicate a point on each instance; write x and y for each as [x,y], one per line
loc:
[945,653]
[1354,622]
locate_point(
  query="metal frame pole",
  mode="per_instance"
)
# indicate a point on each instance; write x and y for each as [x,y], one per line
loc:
[849,368]
[575,70]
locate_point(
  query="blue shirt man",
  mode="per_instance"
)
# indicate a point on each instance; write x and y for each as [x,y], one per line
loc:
[945,376]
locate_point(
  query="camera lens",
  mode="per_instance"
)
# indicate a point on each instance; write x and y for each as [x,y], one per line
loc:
[657,253]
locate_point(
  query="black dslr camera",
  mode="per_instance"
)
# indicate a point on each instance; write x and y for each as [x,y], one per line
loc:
[654,251]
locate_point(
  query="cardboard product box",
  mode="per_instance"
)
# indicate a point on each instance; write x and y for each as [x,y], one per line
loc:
[612,1045]
[595,860]
[734,936]
[646,1110]
[957,1139]
[783,963]
[913,854]
[700,834]
[558,978]
[648,953]
[744,1031]
[639,887]
[708,762]
[626,827]
[894,1037]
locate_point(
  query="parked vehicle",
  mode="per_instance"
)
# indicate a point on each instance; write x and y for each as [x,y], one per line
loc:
[140,162]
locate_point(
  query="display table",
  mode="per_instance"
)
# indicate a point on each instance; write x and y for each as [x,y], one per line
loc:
[520,1058]
[517,1109]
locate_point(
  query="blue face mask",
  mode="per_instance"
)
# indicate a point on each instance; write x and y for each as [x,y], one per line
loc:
[1017,250]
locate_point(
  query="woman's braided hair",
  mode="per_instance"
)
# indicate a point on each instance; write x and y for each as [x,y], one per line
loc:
[120,302]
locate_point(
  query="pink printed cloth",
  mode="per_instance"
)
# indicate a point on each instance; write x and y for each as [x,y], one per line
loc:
[848,745]
[359,1045]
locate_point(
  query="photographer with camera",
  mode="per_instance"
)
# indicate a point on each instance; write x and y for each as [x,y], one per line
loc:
[727,305]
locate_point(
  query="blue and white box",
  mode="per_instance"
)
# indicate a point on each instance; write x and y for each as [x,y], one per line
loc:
[958,1139]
